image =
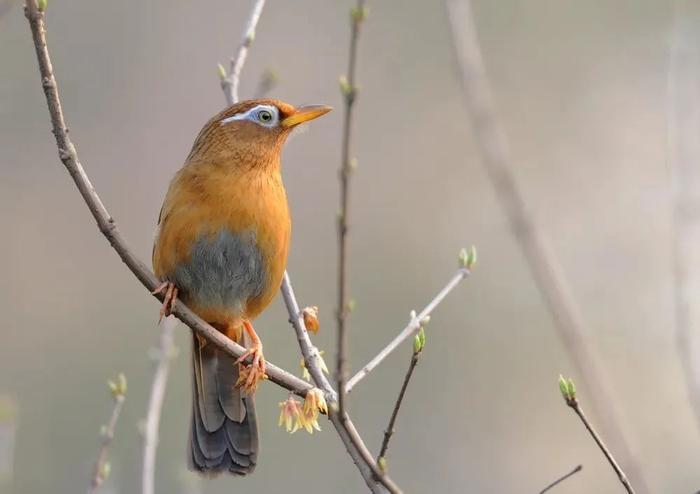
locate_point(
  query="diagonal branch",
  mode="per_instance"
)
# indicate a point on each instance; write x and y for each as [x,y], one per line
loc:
[69,157]
[397,406]
[410,330]
[546,271]
[561,479]
[376,480]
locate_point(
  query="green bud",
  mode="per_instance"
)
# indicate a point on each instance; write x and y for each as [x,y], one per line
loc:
[222,71]
[41,5]
[381,463]
[350,306]
[471,257]
[121,381]
[345,87]
[567,388]
[105,470]
[425,321]
[467,258]
[419,341]
[118,387]
[359,14]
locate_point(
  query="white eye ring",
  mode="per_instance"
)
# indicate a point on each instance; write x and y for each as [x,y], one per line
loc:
[263,115]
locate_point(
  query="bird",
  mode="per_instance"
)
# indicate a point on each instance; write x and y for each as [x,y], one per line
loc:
[221,248]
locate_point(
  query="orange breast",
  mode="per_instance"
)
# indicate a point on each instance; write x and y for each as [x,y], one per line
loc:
[205,200]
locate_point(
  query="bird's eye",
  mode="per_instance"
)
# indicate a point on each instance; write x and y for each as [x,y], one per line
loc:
[264,116]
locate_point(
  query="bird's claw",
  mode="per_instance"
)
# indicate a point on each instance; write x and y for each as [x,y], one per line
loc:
[250,375]
[169,298]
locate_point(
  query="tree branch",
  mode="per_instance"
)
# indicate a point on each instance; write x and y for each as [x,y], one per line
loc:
[230,83]
[165,351]
[410,330]
[561,479]
[102,467]
[547,272]
[392,421]
[370,471]
[105,222]
[349,90]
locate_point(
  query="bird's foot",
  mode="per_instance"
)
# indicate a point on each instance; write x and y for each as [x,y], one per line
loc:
[169,298]
[250,375]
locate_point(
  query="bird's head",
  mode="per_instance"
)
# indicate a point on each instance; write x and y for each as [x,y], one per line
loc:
[251,133]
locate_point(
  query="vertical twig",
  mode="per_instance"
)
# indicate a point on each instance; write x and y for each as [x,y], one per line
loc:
[684,156]
[230,83]
[349,90]
[164,355]
[561,479]
[381,458]
[545,269]
[102,467]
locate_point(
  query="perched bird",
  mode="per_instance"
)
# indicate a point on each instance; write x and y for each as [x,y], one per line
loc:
[221,247]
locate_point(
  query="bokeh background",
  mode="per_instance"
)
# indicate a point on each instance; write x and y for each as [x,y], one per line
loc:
[582,90]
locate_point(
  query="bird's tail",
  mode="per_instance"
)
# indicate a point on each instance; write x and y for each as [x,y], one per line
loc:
[224,435]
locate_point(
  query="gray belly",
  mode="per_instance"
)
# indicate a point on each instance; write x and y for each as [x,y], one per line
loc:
[223,271]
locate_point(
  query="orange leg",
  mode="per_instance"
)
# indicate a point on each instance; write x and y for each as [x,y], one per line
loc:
[250,376]
[169,298]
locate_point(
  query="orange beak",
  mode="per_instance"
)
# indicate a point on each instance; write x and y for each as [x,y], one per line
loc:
[304,114]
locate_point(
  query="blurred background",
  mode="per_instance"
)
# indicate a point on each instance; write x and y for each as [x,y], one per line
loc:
[582,88]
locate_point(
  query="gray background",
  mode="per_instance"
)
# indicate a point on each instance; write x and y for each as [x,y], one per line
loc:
[581,88]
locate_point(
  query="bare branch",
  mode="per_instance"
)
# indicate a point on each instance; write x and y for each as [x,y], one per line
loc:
[492,145]
[102,467]
[410,330]
[349,90]
[105,222]
[568,391]
[375,479]
[230,83]
[165,351]
[397,406]
[561,479]
[599,441]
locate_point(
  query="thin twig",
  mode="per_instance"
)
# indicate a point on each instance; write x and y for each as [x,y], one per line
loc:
[349,90]
[105,222]
[376,480]
[574,405]
[410,330]
[164,355]
[230,83]
[547,272]
[392,421]
[101,469]
[561,479]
